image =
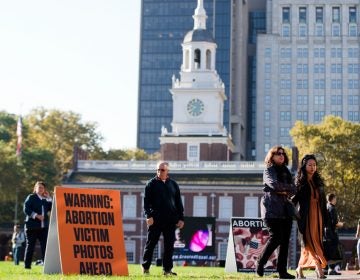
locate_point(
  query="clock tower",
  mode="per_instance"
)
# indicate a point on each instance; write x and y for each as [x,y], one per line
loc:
[198,133]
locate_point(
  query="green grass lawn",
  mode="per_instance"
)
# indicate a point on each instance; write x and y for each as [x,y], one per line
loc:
[8,271]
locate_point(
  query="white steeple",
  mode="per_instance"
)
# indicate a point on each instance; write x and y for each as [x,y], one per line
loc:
[200,16]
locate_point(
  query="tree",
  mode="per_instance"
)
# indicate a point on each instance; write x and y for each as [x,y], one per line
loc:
[59,131]
[335,143]
[126,154]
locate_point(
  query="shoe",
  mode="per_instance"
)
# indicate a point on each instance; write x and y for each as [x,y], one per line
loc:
[145,271]
[299,273]
[27,267]
[333,272]
[259,269]
[320,275]
[285,275]
[169,273]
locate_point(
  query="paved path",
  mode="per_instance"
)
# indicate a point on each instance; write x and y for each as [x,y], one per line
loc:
[349,275]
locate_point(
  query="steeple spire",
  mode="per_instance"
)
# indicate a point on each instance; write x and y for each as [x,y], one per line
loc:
[200,16]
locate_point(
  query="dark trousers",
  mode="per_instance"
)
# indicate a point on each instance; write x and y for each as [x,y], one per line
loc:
[153,235]
[280,230]
[31,236]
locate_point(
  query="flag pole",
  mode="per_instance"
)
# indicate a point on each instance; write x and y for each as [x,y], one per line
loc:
[18,155]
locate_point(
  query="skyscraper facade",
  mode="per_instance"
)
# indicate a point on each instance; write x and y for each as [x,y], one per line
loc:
[307,67]
[164,24]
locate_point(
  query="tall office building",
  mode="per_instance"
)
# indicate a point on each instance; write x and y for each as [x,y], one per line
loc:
[307,67]
[164,24]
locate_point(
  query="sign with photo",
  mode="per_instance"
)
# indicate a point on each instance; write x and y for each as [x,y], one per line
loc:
[249,237]
[196,241]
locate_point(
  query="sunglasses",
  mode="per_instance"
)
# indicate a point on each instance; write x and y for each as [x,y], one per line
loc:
[280,154]
[161,169]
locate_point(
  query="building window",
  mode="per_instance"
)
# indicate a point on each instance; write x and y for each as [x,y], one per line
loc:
[284,131]
[319,99]
[285,116]
[225,207]
[193,152]
[267,100]
[352,30]
[319,14]
[302,30]
[302,15]
[222,250]
[267,67]
[336,14]
[130,247]
[318,116]
[353,52]
[336,100]
[335,30]
[302,100]
[353,116]
[129,207]
[266,147]
[197,59]
[267,131]
[353,100]
[286,30]
[285,100]
[302,116]
[200,206]
[267,52]
[208,59]
[352,14]
[286,15]
[266,115]
[251,207]
[319,30]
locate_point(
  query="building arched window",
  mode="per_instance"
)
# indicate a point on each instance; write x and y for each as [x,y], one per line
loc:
[208,59]
[197,59]
[187,59]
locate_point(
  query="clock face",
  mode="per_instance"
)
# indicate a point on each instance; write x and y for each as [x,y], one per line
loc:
[195,107]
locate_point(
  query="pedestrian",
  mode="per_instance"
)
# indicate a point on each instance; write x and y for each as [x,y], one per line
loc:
[164,212]
[36,208]
[331,244]
[313,216]
[17,240]
[358,244]
[278,186]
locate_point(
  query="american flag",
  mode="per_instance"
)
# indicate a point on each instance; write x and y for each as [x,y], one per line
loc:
[254,248]
[19,135]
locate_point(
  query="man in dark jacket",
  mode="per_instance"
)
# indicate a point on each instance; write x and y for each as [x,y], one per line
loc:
[332,250]
[164,212]
[36,208]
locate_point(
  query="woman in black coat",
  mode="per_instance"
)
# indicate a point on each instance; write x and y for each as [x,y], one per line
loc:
[313,216]
[36,208]
[278,186]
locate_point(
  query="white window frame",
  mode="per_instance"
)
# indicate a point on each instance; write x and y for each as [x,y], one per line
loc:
[225,207]
[130,247]
[200,206]
[251,207]
[129,207]
[193,152]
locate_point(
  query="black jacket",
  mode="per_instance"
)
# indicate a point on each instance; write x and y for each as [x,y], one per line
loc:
[330,230]
[162,201]
[303,198]
[276,179]
[33,204]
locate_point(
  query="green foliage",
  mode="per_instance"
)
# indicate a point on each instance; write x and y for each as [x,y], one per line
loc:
[58,132]
[126,154]
[336,145]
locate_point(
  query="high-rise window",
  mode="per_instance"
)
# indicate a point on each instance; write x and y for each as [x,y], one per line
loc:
[286,15]
[302,15]
[352,14]
[200,206]
[336,14]
[319,14]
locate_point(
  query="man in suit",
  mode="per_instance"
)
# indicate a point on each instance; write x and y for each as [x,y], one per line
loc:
[36,208]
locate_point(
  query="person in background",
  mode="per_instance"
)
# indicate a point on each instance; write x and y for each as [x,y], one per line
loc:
[331,235]
[278,186]
[313,216]
[36,208]
[17,239]
[358,244]
[164,212]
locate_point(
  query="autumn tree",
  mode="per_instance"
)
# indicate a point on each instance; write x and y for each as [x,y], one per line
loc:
[335,142]
[59,131]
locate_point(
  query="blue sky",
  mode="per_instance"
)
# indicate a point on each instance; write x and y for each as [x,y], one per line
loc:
[78,55]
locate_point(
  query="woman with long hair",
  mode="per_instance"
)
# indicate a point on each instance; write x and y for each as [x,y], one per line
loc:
[313,216]
[278,186]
